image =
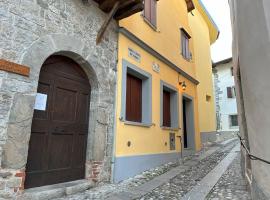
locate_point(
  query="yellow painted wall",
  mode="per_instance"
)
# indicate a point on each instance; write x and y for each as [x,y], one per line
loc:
[149,140]
[171,16]
[202,57]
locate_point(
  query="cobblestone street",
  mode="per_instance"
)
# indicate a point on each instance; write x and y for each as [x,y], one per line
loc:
[231,185]
[184,182]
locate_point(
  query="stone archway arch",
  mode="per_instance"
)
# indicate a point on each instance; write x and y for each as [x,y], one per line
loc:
[19,127]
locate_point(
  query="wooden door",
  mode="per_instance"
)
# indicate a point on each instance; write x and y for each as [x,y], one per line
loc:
[57,148]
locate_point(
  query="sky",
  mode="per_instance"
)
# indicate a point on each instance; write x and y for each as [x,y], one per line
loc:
[220,12]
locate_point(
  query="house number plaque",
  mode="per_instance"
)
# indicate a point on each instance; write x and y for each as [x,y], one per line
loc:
[14,68]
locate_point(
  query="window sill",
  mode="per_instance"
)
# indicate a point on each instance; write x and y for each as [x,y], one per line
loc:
[141,124]
[150,24]
[170,128]
[187,59]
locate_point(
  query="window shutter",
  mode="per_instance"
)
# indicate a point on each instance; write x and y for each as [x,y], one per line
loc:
[154,12]
[185,44]
[229,92]
[166,109]
[147,9]
[134,99]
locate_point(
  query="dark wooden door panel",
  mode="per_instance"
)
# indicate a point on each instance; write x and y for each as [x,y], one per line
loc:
[79,160]
[37,140]
[60,153]
[57,149]
[64,105]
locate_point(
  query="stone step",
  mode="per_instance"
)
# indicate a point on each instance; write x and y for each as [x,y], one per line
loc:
[56,191]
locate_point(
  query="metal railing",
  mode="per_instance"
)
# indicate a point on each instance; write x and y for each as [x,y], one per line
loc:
[251,156]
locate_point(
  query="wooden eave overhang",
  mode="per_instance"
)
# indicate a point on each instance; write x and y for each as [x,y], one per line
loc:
[125,9]
[116,9]
[213,28]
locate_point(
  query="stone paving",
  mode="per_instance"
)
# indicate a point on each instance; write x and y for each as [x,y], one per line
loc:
[231,185]
[178,186]
[103,190]
[184,182]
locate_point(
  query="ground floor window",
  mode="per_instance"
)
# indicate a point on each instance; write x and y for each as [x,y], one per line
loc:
[233,120]
[134,99]
[169,115]
[136,106]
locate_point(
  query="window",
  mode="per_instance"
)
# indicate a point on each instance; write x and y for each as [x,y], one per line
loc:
[136,106]
[185,44]
[134,99]
[233,120]
[150,11]
[208,98]
[231,93]
[168,106]
[232,71]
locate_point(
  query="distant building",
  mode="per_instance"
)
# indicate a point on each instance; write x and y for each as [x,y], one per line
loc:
[251,58]
[226,108]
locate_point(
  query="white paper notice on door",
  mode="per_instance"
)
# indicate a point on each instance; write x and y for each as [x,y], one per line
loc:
[41,102]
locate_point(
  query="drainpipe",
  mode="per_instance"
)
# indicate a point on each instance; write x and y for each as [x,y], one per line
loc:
[114,131]
[115,116]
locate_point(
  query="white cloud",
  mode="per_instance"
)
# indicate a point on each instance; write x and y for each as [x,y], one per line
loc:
[220,12]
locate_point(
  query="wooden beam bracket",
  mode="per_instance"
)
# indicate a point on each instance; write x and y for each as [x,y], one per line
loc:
[107,22]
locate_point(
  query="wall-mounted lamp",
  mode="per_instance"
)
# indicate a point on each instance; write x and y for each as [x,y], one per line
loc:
[183,84]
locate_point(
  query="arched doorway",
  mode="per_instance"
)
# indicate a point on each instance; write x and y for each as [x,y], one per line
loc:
[57,148]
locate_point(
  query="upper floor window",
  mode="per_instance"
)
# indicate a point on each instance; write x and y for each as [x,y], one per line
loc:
[150,11]
[185,37]
[231,93]
[232,71]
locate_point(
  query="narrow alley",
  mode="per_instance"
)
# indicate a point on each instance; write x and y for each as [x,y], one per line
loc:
[213,173]
[134,100]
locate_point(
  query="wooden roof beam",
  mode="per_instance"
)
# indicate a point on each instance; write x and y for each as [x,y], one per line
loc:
[107,21]
[128,11]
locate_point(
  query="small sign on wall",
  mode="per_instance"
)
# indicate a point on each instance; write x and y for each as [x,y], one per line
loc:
[134,54]
[41,102]
[14,68]
[155,67]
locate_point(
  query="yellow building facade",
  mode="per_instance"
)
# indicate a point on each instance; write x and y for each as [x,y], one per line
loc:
[157,102]
[205,33]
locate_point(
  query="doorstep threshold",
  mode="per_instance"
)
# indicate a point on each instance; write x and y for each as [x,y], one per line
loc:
[57,190]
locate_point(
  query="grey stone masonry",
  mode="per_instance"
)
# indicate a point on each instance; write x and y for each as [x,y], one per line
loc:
[31,31]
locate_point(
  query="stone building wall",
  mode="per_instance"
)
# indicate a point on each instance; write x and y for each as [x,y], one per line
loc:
[251,67]
[31,31]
